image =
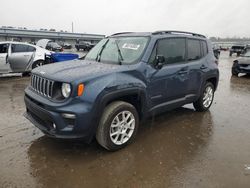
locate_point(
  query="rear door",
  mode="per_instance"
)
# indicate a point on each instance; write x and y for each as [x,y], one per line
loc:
[20,56]
[197,63]
[168,85]
[4,66]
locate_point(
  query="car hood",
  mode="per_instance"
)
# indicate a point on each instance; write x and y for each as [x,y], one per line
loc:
[244,60]
[69,71]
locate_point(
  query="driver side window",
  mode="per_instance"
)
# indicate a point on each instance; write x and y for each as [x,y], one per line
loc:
[173,50]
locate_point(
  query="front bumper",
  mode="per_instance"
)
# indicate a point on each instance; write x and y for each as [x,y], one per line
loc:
[50,119]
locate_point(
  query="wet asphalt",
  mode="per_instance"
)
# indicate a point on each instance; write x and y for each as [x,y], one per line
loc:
[181,148]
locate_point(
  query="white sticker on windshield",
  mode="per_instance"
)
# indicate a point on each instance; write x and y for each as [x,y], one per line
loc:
[131,46]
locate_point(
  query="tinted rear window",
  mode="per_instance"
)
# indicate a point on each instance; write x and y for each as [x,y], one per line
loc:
[204,48]
[31,49]
[22,48]
[194,49]
[19,48]
[238,47]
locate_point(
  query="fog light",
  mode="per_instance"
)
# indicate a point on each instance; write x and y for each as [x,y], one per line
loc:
[54,126]
[69,116]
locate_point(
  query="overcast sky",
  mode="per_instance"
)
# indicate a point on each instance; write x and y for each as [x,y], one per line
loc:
[224,18]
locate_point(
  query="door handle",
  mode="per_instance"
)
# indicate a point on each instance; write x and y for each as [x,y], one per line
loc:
[183,70]
[26,55]
[203,67]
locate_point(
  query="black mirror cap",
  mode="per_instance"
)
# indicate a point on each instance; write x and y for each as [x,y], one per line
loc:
[160,60]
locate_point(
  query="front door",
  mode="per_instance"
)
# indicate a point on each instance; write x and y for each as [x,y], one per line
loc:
[168,85]
[4,65]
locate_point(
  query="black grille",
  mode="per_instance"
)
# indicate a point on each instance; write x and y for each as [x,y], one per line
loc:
[42,85]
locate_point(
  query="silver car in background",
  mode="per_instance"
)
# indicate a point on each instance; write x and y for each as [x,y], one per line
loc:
[21,57]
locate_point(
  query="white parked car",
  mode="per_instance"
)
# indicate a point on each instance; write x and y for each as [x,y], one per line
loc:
[21,57]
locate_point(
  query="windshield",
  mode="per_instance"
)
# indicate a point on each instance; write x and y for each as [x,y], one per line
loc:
[238,47]
[118,50]
[247,54]
[54,44]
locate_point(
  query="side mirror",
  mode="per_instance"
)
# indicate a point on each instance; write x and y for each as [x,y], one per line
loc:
[160,60]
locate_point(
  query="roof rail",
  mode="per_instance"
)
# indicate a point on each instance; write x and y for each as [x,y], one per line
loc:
[178,32]
[121,33]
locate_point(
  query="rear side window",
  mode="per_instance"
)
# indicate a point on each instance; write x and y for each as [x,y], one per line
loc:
[16,48]
[3,48]
[194,49]
[173,49]
[204,48]
[31,49]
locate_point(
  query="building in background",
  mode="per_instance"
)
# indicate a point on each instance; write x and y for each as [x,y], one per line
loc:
[32,36]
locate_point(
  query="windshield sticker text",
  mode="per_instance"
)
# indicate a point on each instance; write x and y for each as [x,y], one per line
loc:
[131,46]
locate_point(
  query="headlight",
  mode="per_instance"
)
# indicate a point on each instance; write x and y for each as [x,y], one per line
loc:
[66,90]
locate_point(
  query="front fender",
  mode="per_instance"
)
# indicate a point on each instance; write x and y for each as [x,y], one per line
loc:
[105,90]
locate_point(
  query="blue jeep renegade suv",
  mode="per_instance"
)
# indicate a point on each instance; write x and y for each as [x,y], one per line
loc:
[123,79]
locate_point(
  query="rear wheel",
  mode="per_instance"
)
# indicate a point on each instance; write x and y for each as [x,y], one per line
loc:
[38,64]
[118,126]
[206,99]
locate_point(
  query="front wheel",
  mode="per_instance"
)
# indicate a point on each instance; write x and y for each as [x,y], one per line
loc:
[118,126]
[206,99]
[234,72]
[24,74]
[234,69]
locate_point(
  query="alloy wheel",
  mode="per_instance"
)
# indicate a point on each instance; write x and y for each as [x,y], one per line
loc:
[208,96]
[122,127]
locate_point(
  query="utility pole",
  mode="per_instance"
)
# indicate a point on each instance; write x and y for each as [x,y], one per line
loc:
[72,27]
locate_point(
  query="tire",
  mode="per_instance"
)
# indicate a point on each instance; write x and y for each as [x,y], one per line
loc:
[113,115]
[208,92]
[25,74]
[38,64]
[234,69]
[234,72]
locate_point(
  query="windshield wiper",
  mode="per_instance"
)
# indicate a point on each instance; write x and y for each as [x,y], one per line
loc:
[120,58]
[98,57]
